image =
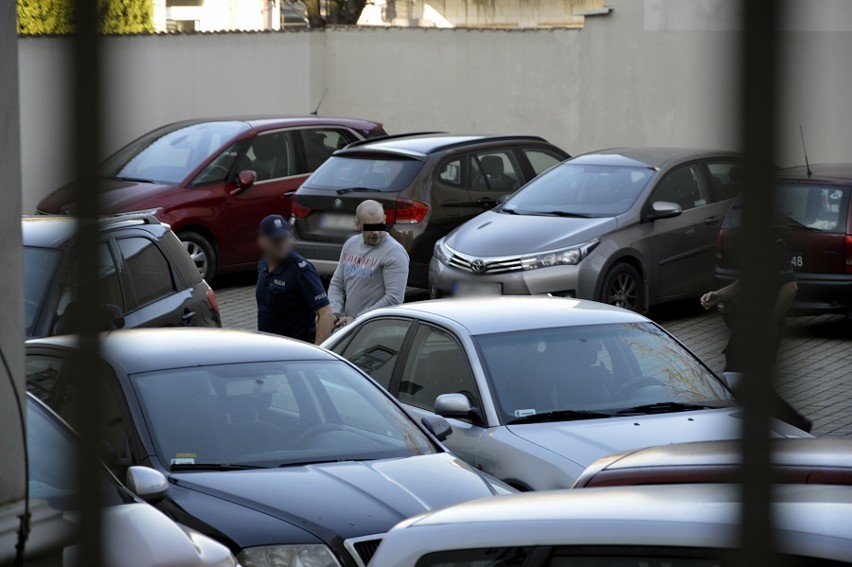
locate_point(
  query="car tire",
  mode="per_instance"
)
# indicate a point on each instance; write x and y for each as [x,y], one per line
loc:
[623,287]
[201,251]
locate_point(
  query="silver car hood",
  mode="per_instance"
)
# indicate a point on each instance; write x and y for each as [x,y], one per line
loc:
[494,234]
[584,442]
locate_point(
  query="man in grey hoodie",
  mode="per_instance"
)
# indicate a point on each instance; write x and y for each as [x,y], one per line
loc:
[373,268]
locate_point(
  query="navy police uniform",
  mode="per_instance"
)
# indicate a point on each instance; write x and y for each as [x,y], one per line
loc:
[288,297]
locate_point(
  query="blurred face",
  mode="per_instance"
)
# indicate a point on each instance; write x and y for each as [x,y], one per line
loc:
[275,249]
[365,220]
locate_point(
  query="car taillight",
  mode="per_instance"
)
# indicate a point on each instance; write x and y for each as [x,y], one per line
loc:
[849,253]
[407,211]
[720,243]
[214,303]
[300,211]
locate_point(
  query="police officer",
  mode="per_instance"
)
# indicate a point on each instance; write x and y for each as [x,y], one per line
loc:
[291,300]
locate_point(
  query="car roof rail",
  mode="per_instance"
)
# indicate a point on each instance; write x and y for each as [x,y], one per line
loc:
[145,216]
[384,137]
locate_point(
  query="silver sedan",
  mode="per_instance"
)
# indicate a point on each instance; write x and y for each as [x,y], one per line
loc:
[538,388]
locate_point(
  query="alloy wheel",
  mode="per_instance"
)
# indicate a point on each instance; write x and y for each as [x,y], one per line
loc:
[198,256]
[624,291]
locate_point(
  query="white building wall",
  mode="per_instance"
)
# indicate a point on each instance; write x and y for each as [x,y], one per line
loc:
[648,74]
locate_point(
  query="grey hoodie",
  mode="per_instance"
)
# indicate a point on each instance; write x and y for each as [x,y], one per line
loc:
[368,277]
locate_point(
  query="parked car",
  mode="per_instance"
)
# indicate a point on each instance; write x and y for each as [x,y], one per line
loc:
[632,227]
[796,461]
[136,534]
[649,526]
[214,180]
[284,452]
[814,213]
[538,388]
[147,277]
[429,184]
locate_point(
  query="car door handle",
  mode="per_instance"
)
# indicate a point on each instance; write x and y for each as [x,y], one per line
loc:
[712,220]
[487,202]
[187,316]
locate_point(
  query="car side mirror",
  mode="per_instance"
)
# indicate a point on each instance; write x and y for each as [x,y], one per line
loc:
[148,484]
[244,180]
[663,210]
[734,380]
[437,426]
[114,315]
[453,405]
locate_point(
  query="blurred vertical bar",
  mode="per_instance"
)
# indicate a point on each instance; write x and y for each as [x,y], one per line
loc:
[755,327]
[84,149]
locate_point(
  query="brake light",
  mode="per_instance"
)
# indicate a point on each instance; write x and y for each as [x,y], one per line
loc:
[720,244]
[300,211]
[849,253]
[407,211]
[214,303]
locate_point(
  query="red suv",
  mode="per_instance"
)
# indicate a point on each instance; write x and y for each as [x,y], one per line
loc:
[214,180]
[815,221]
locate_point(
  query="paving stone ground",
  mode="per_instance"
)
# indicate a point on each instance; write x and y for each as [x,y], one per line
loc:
[815,360]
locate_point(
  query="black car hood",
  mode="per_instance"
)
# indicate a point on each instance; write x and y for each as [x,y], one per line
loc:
[348,499]
[118,196]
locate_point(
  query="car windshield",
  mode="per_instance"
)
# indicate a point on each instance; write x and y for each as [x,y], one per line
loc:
[168,155]
[52,454]
[581,190]
[597,368]
[39,268]
[269,414]
[347,173]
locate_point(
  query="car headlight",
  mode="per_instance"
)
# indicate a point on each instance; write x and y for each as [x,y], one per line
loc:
[566,256]
[442,252]
[309,555]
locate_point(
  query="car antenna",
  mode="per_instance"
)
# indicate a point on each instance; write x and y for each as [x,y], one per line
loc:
[322,98]
[804,149]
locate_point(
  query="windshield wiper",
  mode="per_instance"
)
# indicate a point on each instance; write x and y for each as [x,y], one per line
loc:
[566,214]
[134,179]
[355,190]
[211,467]
[663,407]
[559,415]
[321,462]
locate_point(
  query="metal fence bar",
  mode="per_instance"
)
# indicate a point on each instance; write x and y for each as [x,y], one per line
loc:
[755,329]
[84,150]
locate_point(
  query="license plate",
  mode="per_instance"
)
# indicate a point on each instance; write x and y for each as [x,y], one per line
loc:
[797,261]
[477,289]
[336,221]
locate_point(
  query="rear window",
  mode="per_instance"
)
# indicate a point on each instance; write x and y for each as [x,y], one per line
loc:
[809,206]
[384,174]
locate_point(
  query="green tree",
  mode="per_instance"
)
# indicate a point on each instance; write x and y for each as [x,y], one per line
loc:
[55,17]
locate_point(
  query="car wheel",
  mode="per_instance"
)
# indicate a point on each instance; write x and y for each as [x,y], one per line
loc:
[201,252]
[623,287]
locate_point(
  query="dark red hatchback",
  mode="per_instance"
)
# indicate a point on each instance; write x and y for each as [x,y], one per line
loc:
[814,218]
[214,180]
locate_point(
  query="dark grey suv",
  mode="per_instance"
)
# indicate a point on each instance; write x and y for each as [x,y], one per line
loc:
[149,279]
[429,184]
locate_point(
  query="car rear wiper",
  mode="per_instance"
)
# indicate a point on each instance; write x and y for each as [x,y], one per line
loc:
[355,190]
[793,223]
[663,407]
[211,467]
[135,179]
[559,415]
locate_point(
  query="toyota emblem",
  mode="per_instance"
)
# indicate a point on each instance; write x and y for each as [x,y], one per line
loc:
[338,203]
[478,266]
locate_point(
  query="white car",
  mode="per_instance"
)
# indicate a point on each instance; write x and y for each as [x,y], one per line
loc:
[538,388]
[135,533]
[648,526]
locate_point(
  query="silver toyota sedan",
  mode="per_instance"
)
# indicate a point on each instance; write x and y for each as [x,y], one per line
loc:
[632,227]
[538,388]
